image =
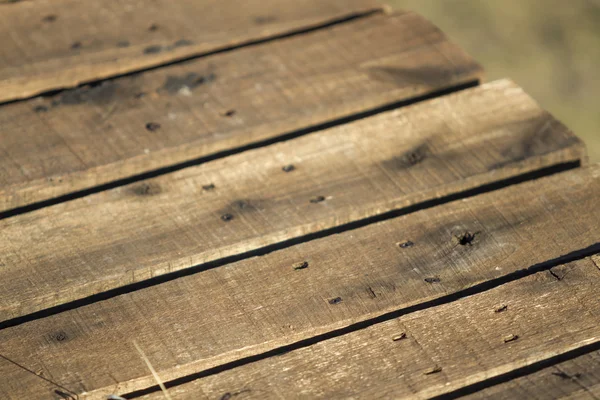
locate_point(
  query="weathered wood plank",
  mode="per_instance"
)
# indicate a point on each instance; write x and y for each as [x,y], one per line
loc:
[269,195]
[54,44]
[574,379]
[246,308]
[578,378]
[446,347]
[90,136]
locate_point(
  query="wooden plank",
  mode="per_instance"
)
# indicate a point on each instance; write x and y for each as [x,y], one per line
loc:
[248,201]
[574,379]
[446,348]
[55,44]
[577,378]
[242,309]
[91,136]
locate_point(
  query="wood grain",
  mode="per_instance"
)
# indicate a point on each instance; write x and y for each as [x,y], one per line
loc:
[446,347]
[574,379]
[93,135]
[276,193]
[55,44]
[577,378]
[246,308]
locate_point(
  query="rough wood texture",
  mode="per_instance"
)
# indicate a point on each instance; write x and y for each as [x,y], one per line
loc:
[575,379]
[446,347]
[578,378]
[266,196]
[54,44]
[82,138]
[246,308]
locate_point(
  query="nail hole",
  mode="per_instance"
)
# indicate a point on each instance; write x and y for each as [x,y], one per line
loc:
[153,49]
[300,265]
[399,337]
[405,245]
[288,168]
[317,199]
[76,45]
[500,309]
[153,27]
[510,338]
[152,126]
[210,186]
[336,300]
[59,336]
[434,279]
[467,238]
[433,370]
[49,18]
[229,113]
[226,217]
[40,109]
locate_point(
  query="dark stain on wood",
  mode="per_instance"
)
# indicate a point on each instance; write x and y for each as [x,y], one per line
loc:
[49,18]
[264,19]
[99,94]
[59,336]
[174,84]
[152,126]
[123,43]
[154,49]
[424,75]
[541,135]
[335,300]
[564,375]
[408,159]
[40,109]
[145,189]
[182,43]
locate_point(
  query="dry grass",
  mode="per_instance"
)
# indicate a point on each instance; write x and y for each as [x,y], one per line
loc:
[550,47]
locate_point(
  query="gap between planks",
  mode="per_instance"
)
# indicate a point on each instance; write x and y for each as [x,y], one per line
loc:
[282,138]
[573,375]
[123,37]
[101,136]
[444,352]
[516,232]
[451,147]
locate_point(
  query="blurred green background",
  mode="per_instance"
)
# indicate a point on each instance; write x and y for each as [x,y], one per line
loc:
[549,47]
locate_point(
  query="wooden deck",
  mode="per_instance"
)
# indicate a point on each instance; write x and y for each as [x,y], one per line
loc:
[283,199]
